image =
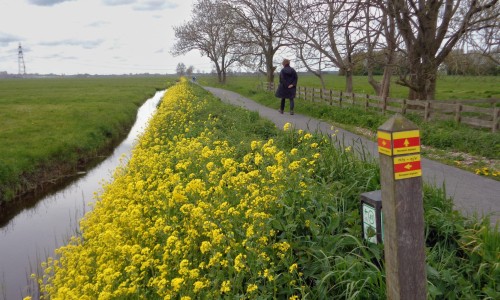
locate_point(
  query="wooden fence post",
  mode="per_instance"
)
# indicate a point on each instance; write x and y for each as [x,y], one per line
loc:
[331,97]
[496,117]
[384,105]
[458,113]
[367,102]
[340,99]
[403,109]
[402,209]
[427,110]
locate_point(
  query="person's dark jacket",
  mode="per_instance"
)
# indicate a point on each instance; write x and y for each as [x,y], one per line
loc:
[287,76]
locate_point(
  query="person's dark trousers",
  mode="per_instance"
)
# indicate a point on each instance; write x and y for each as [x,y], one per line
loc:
[292,104]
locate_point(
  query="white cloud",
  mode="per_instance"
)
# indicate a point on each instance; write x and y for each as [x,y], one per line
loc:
[144,4]
[48,2]
[6,39]
[118,2]
[94,36]
[88,44]
[154,5]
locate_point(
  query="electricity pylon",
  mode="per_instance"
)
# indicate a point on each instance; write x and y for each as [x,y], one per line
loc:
[20,60]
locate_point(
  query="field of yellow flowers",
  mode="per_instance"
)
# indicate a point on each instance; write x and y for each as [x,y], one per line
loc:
[216,203]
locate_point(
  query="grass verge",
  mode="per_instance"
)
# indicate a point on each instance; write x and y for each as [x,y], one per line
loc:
[216,203]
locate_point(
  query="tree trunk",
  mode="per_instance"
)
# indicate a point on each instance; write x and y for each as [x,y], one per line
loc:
[224,77]
[386,82]
[385,86]
[348,81]
[375,84]
[219,74]
[270,69]
[423,82]
[322,80]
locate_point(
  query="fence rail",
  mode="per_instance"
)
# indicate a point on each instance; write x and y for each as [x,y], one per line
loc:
[461,111]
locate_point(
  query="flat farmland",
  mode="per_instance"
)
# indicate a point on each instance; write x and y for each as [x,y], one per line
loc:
[49,126]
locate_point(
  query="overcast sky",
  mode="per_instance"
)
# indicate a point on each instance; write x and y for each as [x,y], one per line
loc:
[94,36]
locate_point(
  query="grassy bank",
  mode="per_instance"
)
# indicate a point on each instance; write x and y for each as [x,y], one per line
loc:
[216,203]
[50,126]
[455,144]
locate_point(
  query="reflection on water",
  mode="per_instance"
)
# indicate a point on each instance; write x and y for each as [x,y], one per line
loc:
[46,224]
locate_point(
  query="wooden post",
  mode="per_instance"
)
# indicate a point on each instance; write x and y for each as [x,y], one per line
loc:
[458,112]
[331,98]
[496,117]
[402,208]
[403,109]
[384,105]
[367,102]
[340,99]
[427,110]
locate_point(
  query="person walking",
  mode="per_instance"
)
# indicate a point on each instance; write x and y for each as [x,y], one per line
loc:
[288,86]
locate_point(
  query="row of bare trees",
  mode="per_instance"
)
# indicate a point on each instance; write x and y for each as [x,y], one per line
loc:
[413,37]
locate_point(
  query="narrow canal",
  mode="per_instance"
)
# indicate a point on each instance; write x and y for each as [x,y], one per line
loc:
[33,234]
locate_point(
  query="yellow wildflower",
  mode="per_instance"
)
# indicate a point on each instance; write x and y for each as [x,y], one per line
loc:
[177,284]
[251,288]
[239,262]
[226,286]
[198,285]
[205,247]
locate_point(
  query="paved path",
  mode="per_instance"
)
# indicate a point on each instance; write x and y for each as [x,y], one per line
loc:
[472,194]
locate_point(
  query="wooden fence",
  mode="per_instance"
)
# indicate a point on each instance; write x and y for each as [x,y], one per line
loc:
[477,114]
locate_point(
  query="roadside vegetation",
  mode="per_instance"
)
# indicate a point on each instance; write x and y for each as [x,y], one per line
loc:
[50,127]
[475,150]
[216,203]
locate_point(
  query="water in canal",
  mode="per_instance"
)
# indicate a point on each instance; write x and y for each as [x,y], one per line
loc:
[34,233]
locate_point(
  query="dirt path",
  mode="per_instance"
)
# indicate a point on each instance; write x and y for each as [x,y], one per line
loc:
[472,194]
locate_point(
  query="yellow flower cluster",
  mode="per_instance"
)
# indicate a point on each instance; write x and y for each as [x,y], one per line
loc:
[186,218]
[486,172]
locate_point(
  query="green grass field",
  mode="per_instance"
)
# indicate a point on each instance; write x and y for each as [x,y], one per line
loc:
[48,124]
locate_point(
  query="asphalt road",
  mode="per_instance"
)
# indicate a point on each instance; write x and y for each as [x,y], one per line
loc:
[472,194]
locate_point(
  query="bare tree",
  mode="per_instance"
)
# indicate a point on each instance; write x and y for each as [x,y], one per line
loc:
[261,29]
[190,70]
[181,69]
[212,31]
[380,37]
[430,30]
[334,28]
[309,55]
[313,60]
[486,39]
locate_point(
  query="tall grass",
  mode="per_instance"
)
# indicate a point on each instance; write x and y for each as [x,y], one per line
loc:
[211,206]
[50,126]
